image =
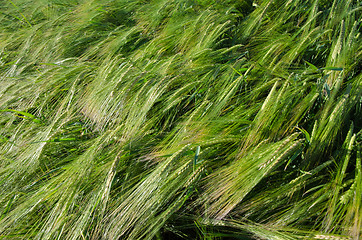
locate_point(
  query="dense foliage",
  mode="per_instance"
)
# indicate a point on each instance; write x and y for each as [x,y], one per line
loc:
[168,119]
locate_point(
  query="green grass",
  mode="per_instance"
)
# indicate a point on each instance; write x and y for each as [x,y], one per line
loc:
[180,119]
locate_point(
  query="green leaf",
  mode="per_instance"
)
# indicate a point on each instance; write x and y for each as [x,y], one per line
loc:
[312,66]
[196,156]
[306,134]
[332,68]
[64,139]
[25,115]
[240,70]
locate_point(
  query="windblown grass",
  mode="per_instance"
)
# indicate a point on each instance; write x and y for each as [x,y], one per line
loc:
[168,119]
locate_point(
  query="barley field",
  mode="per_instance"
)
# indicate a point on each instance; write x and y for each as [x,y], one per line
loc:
[180,119]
